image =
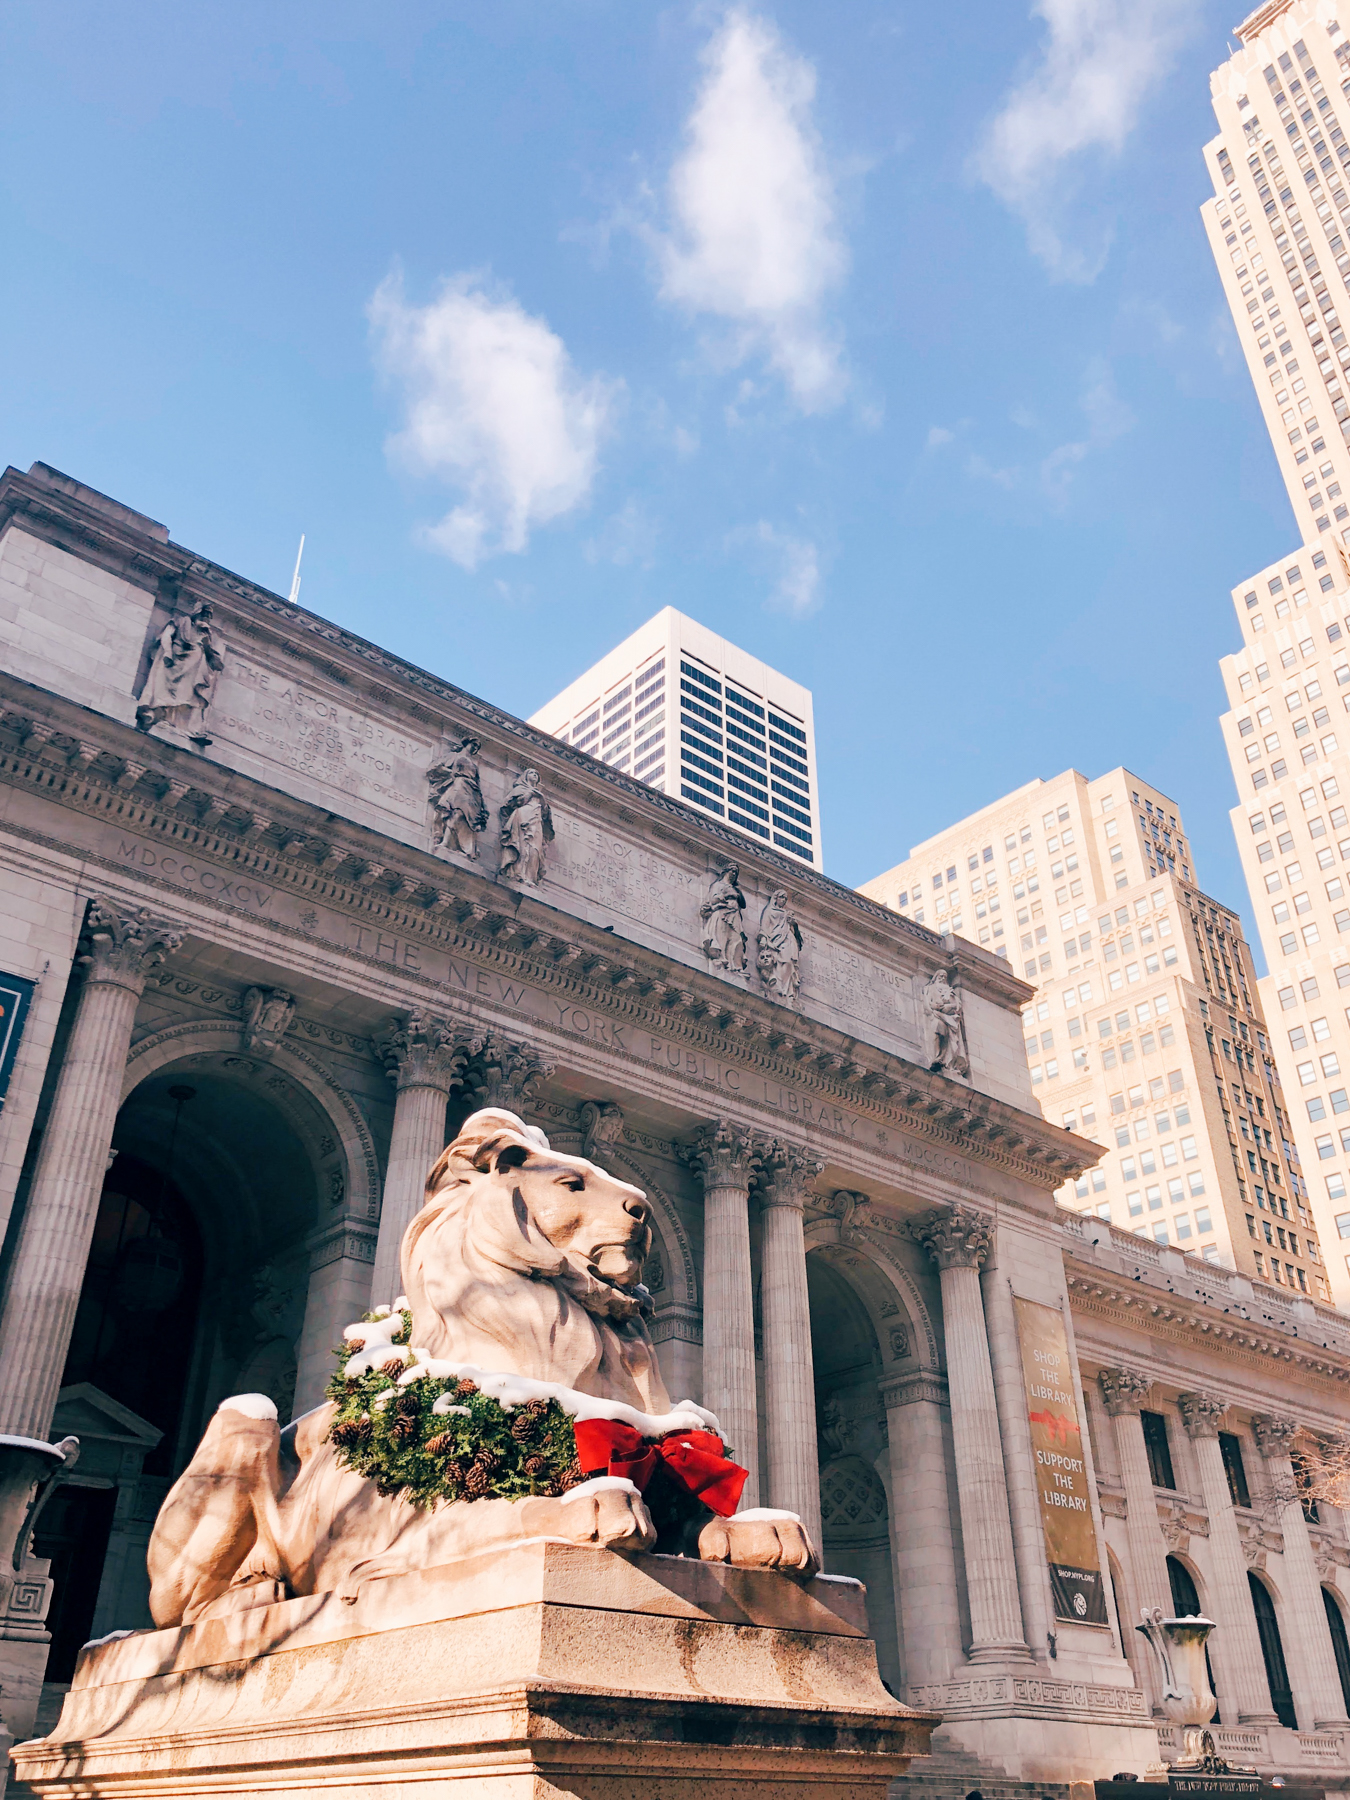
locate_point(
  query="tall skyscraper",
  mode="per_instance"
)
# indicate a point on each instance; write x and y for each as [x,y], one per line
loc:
[1279,225]
[1146,1032]
[699,718]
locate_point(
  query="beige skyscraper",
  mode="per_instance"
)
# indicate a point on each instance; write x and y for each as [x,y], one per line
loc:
[1279,225]
[1146,1032]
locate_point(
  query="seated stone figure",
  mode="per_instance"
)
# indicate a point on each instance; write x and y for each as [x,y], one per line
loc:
[524,1261]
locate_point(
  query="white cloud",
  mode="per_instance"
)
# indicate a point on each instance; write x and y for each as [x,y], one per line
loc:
[1097,66]
[1108,417]
[794,564]
[493,407]
[628,538]
[938,435]
[753,240]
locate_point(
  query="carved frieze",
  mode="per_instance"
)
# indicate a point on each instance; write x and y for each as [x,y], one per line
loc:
[267,1018]
[778,948]
[722,913]
[601,1126]
[944,1027]
[457,798]
[527,830]
[180,683]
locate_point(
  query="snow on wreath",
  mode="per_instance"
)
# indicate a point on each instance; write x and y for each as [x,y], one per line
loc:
[437,1430]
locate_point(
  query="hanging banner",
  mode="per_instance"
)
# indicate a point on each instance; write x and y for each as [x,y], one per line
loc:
[15,993]
[1061,1467]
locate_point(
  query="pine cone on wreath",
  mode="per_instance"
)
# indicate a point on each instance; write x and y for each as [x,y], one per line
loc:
[522,1428]
[395,1366]
[403,1430]
[535,1465]
[466,1387]
[438,1445]
[476,1482]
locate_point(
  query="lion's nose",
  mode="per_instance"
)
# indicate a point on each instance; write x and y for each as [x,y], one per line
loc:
[637,1208]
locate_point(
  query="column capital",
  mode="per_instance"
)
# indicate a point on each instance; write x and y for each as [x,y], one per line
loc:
[510,1073]
[1202,1414]
[723,1154]
[1274,1435]
[788,1174]
[125,943]
[959,1237]
[423,1050]
[923,1386]
[1124,1390]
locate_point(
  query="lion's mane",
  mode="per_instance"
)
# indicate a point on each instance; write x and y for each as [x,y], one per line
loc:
[486,1286]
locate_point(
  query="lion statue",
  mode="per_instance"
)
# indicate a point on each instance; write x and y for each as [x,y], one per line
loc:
[523,1260]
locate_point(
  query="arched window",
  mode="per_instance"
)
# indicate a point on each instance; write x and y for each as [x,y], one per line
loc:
[1186,1604]
[1277,1675]
[1339,1642]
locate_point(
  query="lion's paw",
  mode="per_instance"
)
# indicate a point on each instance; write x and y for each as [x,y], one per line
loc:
[760,1539]
[607,1511]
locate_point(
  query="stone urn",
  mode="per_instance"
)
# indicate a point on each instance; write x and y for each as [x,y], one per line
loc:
[29,1472]
[1187,1698]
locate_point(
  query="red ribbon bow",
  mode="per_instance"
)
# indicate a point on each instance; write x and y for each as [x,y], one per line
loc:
[693,1459]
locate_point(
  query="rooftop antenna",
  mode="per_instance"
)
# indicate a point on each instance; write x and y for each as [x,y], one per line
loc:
[295,579]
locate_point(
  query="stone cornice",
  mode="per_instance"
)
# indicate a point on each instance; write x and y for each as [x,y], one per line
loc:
[1179,1319]
[110,772]
[114,542]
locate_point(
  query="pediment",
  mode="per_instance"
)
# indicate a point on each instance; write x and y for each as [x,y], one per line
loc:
[86,1412]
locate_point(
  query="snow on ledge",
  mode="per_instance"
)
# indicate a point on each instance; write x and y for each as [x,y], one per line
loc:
[600,1484]
[252,1406]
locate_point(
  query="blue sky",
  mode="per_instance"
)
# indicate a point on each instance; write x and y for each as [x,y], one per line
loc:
[882,338]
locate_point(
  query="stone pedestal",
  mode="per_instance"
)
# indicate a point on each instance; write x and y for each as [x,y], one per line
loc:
[547,1670]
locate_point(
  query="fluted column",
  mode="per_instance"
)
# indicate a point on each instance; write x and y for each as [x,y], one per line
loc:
[958,1241]
[789,1386]
[1310,1646]
[725,1158]
[58,1224]
[921,1528]
[424,1057]
[1125,1391]
[1237,1639]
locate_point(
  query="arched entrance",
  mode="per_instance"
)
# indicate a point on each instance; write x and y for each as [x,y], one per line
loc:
[1340,1643]
[1272,1649]
[855,1505]
[196,1287]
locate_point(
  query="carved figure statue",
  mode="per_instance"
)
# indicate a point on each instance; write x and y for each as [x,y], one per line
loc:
[527,826]
[267,1016]
[457,799]
[778,947]
[523,1260]
[944,1027]
[181,682]
[723,932]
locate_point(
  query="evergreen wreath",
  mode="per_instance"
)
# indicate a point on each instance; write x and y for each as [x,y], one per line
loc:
[441,1437]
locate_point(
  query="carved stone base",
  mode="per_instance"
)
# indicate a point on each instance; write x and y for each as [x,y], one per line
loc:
[545,1671]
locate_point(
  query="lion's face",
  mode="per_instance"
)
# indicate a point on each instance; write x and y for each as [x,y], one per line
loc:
[581,1210]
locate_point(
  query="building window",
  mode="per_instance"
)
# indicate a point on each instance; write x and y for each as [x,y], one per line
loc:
[1272,1650]
[1159,1450]
[1230,1448]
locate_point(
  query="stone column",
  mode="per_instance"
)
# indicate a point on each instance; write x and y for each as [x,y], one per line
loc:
[725,1158]
[958,1241]
[58,1223]
[1125,1392]
[789,1387]
[1236,1636]
[1311,1644]
[921,1528]
[425,1058]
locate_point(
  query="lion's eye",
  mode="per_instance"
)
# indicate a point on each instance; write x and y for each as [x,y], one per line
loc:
[575,1184]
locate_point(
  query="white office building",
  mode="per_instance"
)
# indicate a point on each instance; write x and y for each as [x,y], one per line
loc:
[697,717]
